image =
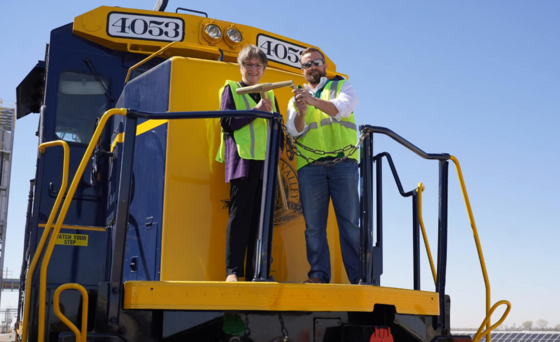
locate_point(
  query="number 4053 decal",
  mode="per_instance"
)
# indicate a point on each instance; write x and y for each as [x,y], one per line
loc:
[146,27]
[280,51]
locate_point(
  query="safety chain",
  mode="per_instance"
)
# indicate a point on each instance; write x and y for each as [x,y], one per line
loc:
[347,151]
[283,327]
[247,330]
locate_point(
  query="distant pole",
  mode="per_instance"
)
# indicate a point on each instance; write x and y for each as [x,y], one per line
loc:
[7,128]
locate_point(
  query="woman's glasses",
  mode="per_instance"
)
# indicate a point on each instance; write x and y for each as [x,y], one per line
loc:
[318,62]
[251,66]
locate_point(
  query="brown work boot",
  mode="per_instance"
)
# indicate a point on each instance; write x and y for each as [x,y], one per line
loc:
[313,280]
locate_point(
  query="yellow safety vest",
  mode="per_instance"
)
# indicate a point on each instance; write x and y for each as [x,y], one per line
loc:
[250,139]
[325,133]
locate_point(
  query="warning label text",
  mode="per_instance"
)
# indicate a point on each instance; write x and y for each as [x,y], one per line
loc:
[72,240]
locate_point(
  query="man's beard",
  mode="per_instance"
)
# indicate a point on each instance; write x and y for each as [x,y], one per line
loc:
[315,76]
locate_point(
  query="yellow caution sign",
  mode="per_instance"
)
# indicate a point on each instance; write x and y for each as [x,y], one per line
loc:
[72,240]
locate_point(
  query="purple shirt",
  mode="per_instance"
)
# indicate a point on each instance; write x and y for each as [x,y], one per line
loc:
[237,167]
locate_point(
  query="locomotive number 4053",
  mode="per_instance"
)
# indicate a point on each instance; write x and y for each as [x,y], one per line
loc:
[280,51]
[146,27]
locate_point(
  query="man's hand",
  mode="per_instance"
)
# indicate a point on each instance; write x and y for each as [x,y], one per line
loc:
[264,105]
[327,107]
[301,108]
[301,105]
[303,96]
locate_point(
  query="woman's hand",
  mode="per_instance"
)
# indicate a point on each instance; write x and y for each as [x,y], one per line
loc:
[264,105]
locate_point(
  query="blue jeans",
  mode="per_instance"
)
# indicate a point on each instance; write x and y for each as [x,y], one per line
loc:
[317,185]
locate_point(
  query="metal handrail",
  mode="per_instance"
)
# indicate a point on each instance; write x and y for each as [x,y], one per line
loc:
[369,264]
[444,157]
[81,336]
[478,248]
[420,190]
[140,114]
[64,210]
[394,172]
[406,143]
[162,50]
[443,212]
[415,192]
[480,334]
[46,231]
[25,263]
[155,54]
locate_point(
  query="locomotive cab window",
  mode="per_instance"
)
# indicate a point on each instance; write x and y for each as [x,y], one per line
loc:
[81,100]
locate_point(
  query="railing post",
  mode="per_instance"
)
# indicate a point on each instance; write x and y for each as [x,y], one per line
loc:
[416,241]
[266,223]
[366,214]
[442,240]
[378,249]
[121,221]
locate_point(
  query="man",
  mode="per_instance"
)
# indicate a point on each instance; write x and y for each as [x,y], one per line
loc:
[322,118]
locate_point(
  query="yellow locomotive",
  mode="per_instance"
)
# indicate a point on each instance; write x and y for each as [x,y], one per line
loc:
[128,104]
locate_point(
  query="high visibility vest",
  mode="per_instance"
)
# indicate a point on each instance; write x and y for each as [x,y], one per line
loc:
[250,139]
[325,133]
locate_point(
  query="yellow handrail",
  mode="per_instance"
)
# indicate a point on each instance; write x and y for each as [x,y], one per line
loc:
[479,334]
[157,53]
[162,50]
[63,212]
[80,336]
[46,231]
[479,250]
[420,189]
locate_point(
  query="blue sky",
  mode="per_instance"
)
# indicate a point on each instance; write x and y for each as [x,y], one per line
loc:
[477,79]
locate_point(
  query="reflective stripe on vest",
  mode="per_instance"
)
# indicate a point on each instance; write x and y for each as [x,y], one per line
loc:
[250,139]
[324,132]
[326,122]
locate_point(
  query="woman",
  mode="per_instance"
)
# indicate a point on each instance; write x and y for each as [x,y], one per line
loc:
[243,149]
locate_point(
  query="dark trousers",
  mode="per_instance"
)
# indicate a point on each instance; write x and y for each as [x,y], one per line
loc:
[243,224]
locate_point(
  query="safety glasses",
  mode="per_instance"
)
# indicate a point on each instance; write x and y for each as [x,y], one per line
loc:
[318,62]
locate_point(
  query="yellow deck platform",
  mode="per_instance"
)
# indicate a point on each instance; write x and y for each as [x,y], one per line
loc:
[217,295]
